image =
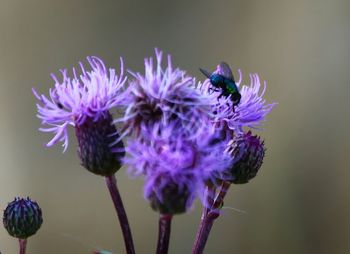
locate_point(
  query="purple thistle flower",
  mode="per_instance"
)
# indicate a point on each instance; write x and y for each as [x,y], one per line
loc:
[84,102]
[74,100]
[176,168]
[163,95]
[251,110]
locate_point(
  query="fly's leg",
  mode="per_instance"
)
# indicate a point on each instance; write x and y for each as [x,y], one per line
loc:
[222,94]
[213,89]
[226,94]
[233,109]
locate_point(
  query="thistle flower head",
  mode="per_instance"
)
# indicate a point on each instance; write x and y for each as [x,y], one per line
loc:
[22,218]
[72,101]
[176,169]
[250,111]
[84,102]
[248,152]
[163,95]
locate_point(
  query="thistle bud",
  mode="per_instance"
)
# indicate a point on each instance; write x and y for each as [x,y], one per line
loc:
[98,151]
[22,218]
[248,152]
[169,197]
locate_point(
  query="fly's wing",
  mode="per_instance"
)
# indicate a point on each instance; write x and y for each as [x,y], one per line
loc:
[205,73]
[224,70]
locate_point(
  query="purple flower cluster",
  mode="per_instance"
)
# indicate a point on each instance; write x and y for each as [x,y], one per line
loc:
[173,145]
[177,129]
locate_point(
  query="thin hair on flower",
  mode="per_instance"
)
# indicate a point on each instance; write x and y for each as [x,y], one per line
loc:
[72,100]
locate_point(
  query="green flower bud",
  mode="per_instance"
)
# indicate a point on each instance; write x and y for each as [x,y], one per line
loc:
[22,218]
[169,198]
[248,152]
[95,139]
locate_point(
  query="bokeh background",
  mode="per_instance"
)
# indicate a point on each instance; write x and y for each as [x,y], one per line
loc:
[300,201]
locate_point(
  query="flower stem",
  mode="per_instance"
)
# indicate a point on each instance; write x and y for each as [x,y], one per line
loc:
[205,224]
[22,246]
[123,220]
[164,233]
[219,199]
[203,233]
[208,217]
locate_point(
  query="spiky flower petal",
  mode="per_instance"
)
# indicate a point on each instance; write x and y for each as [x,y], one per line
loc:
[22,218]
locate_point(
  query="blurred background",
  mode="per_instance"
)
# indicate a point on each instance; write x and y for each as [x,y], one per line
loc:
[300,201]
